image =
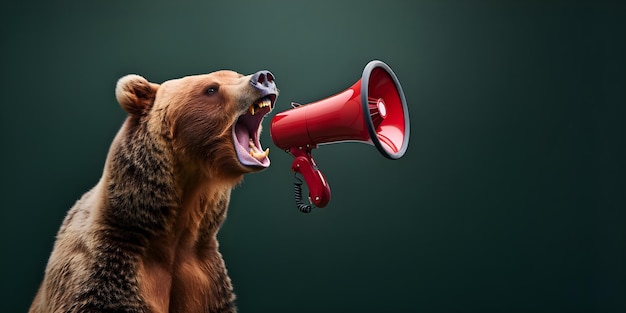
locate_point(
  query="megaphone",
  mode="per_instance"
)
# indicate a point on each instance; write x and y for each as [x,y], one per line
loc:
[372,111]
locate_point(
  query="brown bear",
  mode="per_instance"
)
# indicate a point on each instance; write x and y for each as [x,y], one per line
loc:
[144,238]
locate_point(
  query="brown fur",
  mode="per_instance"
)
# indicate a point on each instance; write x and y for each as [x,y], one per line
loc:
[144,238]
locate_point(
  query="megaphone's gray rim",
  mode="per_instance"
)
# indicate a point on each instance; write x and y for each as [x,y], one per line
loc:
[367,71]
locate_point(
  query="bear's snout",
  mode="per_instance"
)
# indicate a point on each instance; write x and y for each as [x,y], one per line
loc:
[264,82]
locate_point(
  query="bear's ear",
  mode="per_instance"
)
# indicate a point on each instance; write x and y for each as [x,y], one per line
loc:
[135,94]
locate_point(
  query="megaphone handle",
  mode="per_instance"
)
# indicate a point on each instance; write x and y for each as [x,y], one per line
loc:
[319,190]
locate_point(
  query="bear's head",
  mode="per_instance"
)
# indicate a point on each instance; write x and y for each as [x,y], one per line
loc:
[210,122]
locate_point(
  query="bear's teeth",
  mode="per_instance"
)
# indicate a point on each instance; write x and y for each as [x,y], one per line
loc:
[265,103]
[260,155]
[255,153]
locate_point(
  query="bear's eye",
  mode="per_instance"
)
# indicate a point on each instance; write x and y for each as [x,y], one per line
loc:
[212,90]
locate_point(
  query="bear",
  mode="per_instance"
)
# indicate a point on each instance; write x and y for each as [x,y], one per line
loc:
[143,239]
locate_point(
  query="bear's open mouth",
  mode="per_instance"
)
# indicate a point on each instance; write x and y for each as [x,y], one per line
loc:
[247,130]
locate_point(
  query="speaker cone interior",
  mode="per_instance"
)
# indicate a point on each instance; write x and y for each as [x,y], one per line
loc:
[385,110]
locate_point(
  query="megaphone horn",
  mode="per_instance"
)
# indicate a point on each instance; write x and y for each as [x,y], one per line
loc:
[372,111]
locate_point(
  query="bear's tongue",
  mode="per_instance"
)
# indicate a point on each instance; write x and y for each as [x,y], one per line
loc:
[253,150]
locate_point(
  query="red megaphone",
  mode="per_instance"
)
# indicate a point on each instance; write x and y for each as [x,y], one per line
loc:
[372,111]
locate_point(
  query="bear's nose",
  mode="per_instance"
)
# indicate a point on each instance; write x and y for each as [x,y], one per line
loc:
[264,81]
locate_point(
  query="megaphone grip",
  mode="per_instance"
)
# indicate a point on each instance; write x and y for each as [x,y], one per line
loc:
[319,190]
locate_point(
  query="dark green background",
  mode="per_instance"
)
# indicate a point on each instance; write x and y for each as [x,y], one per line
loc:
[510,198]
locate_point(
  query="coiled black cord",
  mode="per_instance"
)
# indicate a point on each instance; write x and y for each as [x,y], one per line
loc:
[297,190]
